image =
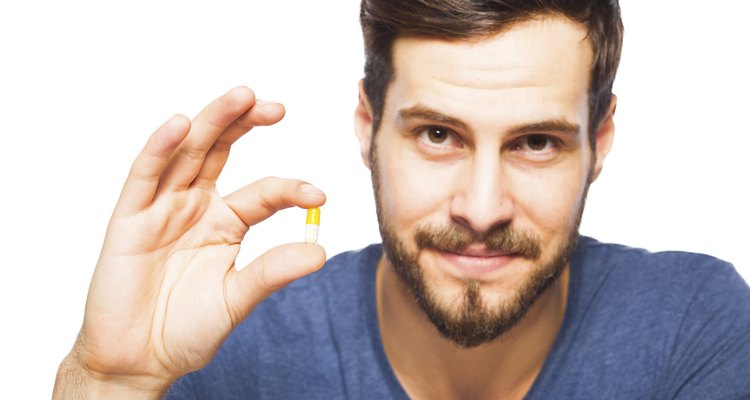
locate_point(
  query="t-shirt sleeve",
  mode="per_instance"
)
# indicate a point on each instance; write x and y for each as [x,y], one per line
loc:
[711,354]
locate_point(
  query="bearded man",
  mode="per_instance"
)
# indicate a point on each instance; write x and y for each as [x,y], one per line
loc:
[483,124]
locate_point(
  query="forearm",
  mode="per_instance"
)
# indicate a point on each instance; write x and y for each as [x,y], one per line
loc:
[74,382]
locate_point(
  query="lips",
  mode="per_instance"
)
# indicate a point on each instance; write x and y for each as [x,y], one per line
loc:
[481,252]
[477,261]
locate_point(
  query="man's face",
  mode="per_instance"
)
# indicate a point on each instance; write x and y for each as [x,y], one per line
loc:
[480,167]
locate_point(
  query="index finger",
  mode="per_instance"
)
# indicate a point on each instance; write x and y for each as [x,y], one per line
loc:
[261,199]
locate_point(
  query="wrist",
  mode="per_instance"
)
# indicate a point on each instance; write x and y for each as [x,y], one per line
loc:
[75,381]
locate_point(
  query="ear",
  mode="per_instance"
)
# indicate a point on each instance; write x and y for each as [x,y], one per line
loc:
[363,124]
[604,137]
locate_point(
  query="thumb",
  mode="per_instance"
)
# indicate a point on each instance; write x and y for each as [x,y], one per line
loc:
[270,272]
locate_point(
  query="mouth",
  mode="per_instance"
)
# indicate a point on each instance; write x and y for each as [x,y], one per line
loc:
[476,261]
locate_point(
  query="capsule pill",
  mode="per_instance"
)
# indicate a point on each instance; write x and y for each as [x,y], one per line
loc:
[312,225]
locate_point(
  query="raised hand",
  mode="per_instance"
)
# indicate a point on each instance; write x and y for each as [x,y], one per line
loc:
[165,292]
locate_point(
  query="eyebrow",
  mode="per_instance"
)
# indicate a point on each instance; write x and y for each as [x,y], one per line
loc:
[421,112]
[557,125]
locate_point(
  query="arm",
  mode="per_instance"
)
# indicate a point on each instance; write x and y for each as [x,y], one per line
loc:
[165,292]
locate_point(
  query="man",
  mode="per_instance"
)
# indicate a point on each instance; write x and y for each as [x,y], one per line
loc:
[483,125]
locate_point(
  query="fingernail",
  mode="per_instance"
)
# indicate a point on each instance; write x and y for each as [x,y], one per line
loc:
[309,189]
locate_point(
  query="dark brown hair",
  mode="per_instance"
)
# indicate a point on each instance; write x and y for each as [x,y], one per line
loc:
[385,20]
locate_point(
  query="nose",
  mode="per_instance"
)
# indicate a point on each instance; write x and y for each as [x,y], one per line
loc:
[482,200]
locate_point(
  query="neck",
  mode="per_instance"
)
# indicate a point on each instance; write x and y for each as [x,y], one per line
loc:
[430,366]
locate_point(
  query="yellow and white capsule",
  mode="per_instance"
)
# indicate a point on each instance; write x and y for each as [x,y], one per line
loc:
[312,225]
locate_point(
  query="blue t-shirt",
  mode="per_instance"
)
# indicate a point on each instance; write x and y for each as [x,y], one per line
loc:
[638,325]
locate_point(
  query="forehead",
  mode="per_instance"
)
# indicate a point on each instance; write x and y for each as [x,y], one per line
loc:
[539,63]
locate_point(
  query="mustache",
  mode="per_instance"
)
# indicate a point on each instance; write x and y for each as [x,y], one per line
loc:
[455,238]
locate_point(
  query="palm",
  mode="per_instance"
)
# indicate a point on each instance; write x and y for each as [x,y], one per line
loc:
[165,293]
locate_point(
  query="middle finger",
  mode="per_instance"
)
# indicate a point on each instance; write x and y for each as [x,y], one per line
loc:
[210,123]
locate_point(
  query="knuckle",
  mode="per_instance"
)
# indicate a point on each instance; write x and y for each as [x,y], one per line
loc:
[263,280]
[192,153]
[221,146]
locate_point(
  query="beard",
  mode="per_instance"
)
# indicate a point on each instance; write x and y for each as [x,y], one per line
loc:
[469,321]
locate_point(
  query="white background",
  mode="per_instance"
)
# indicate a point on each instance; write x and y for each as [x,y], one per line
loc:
[83,83]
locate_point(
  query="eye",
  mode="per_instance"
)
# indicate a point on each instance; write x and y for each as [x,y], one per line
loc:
[538,148]
[537,142]
[437,137]
[437,134]
[436,140]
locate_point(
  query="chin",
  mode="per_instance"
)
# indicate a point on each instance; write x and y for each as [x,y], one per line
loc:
[471,309]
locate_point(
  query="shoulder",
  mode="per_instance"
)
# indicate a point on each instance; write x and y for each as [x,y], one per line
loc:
[591,250]
[342,276]
[294,342]
[661,289]
[673,323]
[671,271]
[329,293]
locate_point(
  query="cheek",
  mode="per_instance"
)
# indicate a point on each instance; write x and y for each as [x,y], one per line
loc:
[549,202]
[412,192]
